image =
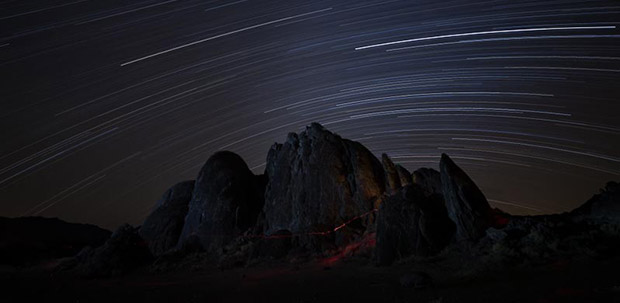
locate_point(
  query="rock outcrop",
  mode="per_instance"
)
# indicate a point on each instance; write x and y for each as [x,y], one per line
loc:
[467,206]
[318,181]
[412,223]
[162,228]
[226,201]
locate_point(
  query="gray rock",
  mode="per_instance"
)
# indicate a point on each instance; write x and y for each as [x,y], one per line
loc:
[410,223]
[467,206]
[162,228]
[226,201]
[316,182]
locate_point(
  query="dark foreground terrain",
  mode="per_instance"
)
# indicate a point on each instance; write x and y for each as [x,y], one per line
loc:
[349,281]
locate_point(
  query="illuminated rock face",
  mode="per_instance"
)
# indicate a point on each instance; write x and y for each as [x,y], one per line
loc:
[226,201]
[467,206]
[162,227]
[316,182]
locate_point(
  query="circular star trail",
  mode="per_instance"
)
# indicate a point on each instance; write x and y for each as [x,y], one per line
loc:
[105,104]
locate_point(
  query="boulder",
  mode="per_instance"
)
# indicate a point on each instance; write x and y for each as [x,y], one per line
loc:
[316,182]
[162,228]
[411,223]
[467,206]
[226,201]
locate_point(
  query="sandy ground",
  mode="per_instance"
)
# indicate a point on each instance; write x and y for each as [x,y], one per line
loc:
[592,281]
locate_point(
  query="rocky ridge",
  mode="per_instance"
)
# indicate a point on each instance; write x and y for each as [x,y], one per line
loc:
[324,196]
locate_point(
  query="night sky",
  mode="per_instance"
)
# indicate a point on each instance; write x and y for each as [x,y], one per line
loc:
[106,104]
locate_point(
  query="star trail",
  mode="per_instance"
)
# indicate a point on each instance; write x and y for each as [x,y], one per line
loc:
[105,104]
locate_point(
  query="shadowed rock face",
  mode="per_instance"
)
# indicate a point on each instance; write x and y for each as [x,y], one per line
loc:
[412,223]
[226,201]
[467,206]
[162,228]
[317,181]
[429,179]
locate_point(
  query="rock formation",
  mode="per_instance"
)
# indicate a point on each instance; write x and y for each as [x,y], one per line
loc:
[316,182]
[162,228]
[467,206]
[322,198]
[226,201]
[325,195]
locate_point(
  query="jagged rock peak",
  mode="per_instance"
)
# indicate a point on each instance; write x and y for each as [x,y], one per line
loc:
[404,175]
[391,173]
[316,181]
[466,204]
[162,228]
